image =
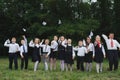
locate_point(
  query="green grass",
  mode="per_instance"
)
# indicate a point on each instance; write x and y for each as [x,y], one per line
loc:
[6,74]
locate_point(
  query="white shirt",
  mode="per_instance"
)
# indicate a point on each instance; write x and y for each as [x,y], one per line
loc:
[24,46]
[46,48]
[108,42]
[13,47]
[63,43]
[54,45]
[81,51]
[90,47]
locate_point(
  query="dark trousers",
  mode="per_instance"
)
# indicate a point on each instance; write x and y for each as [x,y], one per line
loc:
[24,61]
[113,59]
[80,63]
[13,57]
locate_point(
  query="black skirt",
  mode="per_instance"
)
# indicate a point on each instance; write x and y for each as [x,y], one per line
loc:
[53,54]
[88,57]
[61,52]
[36,55]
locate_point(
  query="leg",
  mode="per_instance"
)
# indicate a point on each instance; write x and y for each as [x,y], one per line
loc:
[78,63]
[90,67]
[115,61]
[36,65]
[100,67]
[66,67]
[82,63]
[97,67]
[71,67]
[51,64]
[110,58]
[54,63]
[87,66]
[22,63]
[63,65]
[10,61]
[26,61]
[15,61]
[45,63]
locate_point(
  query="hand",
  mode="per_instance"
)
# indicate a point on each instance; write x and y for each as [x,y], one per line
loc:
[73,58]
[22,56]
[8,41]
[93,57]
[23,36]
[104,56]
[46,56]
[42,40]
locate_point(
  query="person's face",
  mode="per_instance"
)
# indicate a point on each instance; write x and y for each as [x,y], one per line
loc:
[22,41]
[62,38]
[69,41]
[111,36]
[88,40]
[46,42]
[37,41]
[98,38]
[80,43]
[13,40]
[55,38]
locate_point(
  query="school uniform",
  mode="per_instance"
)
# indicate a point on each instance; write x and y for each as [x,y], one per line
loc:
[36,52]
[46,51]
[54,49]
[61,50]
[24,53]
[81,51]
[99,53]
[13,50]
[89,55]
[69,54]
[112,46]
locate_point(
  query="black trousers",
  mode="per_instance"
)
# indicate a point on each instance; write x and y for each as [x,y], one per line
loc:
[13,57]
[24,61]
[113,59]
[80,63]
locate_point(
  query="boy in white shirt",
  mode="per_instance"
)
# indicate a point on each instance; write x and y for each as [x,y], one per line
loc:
[81,51]
[13,50]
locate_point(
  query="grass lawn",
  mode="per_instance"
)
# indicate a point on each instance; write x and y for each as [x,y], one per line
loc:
[6,74]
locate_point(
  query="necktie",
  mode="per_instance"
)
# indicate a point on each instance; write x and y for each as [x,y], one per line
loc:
[23,48]
[98,44]
[111,43]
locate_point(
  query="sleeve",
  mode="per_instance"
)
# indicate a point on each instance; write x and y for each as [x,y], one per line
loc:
[117,43]
[93,50]
[21,51]
[18,47]
[103,50]
[75,49]
[49,51]
[63,44]
[73,54]
[31,44]
[85,49]
[6,44]
[41,44]
[105,37]
[25,40]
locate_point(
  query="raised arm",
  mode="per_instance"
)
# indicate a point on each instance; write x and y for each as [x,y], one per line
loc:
[25,39]
[105,37]
[73,55]
[117,43]
[7,43]
[31,44]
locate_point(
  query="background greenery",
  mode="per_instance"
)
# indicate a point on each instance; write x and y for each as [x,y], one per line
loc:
[77,18]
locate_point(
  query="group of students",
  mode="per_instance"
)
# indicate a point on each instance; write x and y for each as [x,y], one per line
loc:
[63,50]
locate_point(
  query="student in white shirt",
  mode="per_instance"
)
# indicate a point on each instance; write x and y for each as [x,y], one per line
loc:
[89,55]
[13,50]
[36,52]
[54,53]
[99,53]
[24,53]
[70,55]
[46,53]
[81,51]
[112,46]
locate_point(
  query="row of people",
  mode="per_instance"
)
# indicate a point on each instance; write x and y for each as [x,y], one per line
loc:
[65,52]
